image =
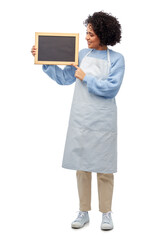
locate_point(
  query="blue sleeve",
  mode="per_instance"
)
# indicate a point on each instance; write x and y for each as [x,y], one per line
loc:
[110,86]
[61,76]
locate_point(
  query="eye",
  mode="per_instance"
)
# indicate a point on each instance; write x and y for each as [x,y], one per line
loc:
[90,34]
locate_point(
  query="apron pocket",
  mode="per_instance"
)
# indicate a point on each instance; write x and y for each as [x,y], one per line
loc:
[93,118]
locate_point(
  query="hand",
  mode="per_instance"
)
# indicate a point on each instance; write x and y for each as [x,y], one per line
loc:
[34,51]
[79,73]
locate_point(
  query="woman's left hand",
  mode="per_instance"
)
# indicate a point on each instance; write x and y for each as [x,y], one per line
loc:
[79,73]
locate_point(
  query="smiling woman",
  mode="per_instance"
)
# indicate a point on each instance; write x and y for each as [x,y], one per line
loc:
[91,142]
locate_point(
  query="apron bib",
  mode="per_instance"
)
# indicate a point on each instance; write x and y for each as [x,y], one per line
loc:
[91,142]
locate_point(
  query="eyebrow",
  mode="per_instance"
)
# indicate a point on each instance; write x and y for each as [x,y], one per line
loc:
[90,32]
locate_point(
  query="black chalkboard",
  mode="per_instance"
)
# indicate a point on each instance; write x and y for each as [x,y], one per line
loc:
[54,48]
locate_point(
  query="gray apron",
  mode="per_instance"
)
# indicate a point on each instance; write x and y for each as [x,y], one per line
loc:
[91,142]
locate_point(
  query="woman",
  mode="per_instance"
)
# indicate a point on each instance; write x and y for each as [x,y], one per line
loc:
[91,142]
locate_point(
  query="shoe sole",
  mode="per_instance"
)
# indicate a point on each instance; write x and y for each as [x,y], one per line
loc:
[78,227]
[106,229]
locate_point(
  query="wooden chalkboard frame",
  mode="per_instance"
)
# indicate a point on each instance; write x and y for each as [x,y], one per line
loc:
[76,35]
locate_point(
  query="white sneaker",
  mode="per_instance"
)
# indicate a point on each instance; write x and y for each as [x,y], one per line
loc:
[81,220]
[107,223]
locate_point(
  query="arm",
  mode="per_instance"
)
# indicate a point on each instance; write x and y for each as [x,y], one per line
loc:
[110,86]
[65,76]
[61,76]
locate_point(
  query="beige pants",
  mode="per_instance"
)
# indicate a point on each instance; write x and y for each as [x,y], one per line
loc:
[105,190]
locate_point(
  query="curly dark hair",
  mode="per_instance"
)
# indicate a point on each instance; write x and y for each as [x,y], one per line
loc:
[106,27]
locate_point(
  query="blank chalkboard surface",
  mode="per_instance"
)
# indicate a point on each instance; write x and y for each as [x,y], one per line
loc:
[56,48]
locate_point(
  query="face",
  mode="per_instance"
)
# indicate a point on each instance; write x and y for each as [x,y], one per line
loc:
[92,39]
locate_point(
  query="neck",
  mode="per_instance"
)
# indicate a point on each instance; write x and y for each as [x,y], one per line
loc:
[102,48]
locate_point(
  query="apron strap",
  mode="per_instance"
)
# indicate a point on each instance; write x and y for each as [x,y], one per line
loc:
[109,61]
[88,53]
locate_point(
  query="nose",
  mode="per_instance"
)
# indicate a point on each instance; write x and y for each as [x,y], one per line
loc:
[87,36]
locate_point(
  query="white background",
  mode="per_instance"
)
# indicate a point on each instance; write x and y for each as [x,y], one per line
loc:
[38,198]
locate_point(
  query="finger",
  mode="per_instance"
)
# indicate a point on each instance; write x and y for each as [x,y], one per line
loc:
[34,48]
[34,52]
[76,75]
[74,65]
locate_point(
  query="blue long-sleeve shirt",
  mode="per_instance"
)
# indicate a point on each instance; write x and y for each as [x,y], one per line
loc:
[107,88]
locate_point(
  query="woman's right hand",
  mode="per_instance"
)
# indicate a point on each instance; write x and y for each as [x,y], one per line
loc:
[33,51]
